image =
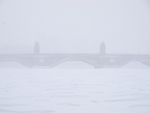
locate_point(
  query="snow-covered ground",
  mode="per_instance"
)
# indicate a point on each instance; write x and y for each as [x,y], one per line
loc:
[119,90]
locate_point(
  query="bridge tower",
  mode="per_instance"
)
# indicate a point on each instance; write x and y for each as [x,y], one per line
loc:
[36,48]
[102,48]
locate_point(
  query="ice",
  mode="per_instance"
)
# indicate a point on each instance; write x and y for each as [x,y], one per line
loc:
[74,90]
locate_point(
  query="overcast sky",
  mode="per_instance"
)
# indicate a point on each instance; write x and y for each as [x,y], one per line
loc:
[77,26]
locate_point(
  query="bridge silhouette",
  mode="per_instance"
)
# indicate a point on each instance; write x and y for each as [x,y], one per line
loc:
[100,60]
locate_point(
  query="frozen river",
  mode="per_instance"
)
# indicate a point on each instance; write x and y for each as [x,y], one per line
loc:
[74,90]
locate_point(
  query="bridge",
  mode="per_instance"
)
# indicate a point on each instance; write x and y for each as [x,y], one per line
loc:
[101,60]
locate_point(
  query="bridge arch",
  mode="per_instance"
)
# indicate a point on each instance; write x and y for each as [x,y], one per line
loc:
[68,64]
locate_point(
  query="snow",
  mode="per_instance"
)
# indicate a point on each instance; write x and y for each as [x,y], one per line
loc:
[74,90]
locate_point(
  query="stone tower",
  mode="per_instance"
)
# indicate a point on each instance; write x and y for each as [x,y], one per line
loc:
[102,48]
[36,48]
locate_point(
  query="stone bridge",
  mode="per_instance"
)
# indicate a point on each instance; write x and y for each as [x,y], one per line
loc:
[96,60]
[100,60]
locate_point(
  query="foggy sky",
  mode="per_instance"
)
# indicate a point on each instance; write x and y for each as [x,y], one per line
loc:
[77,26]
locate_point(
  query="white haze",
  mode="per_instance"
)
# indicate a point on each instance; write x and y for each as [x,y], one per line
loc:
[76,26]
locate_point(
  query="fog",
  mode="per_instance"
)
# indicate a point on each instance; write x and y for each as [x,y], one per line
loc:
[74,56]
[75,26]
